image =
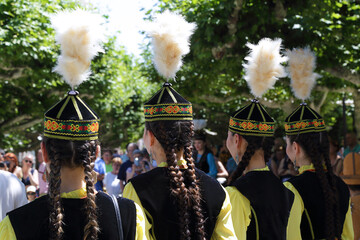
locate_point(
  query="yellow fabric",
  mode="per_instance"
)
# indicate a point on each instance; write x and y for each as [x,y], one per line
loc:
[297,209]
[223,228]
[7,231]
[261,169]
[130,193]
[306,168]
[240,213]
[348,228]
[181,162]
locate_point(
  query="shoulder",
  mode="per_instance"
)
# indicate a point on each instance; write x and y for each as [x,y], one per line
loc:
[28,211]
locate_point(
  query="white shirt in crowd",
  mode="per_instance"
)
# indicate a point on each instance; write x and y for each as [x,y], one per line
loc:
[112,184]
[43,185]
[12,195]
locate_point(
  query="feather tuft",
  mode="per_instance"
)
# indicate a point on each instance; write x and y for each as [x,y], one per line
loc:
[263,65]
[79,34]
[170,34]
[301,71]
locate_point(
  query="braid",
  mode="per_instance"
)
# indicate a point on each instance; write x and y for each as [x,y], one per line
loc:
[194,192]
[173,137]
[91,228]
[316,147]
[71,154]
[56,213]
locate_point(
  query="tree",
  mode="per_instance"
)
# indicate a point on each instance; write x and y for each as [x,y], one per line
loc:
[212,77]
[28,87]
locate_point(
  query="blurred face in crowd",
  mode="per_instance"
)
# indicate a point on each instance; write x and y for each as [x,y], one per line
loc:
[116,167]
[107,157]
[39,156]
[199,145]
[11,158]
[280,153]
[130,151]
[27,161]
[31,196]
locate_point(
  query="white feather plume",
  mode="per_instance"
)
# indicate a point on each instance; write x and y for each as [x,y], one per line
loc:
[80,34]
[301,71]
[263,65]
[170,34]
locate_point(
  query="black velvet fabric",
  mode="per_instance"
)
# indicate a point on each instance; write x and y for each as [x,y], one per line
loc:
[308,114]
[166,98]
[258,113]
[271,201]
[31,221]
[161,208]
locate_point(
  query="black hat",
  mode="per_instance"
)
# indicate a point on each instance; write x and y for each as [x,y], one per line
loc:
[303,120]
[200,135]
[167,104]
[301,70]
[252,120]
[262,70]
[72,118]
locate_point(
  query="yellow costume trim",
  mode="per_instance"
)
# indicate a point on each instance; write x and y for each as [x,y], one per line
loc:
[181,163]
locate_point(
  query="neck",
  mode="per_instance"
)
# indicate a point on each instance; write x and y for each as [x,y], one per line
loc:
[71,179]
[302,161]
[201,152]
[257,161]
[352,146]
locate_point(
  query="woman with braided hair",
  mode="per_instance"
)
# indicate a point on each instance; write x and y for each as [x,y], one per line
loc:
[73,209]
[322,199]
[180,201]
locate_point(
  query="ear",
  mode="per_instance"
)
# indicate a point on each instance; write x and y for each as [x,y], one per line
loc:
[296,148]
[238,140]
[44,152]
[152,137]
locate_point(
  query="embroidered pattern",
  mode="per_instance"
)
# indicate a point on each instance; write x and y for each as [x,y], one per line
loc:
[308,125]
[239,125]
[81,130]
[165,111]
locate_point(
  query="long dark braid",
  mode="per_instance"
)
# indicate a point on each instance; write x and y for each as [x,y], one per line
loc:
[316,147]
[71,154]
[173,137]
[254,143]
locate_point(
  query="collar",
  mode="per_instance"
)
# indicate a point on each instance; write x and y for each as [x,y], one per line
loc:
[181,163]
[310,168]
[266,168]
[78,193]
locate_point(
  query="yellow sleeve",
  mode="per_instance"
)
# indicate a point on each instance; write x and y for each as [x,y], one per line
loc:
[130,193]
[224,228]
[297,209]
[240,212]
[348,228]
[6,229]
[140,224]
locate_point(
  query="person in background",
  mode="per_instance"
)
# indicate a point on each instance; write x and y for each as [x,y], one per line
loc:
[12,193]
[43,184]
[204,159]
[3,166]
[139,166]
[2,154]
[100,170]
[352,145]
[286,169]
[111,182]
[107,157]
[30,175]
[335,158]
[124,167]
[231,165]
[222,174]
[31,193]
[14,164]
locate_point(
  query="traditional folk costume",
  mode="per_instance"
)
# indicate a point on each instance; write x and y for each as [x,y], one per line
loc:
[261,204]
[72,119]
[308,217]
[151,190]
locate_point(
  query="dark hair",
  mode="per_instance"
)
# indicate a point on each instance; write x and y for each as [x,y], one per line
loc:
[71,154]
[107,150]
[316,147]
[131,144]
[173,137]
[254,143]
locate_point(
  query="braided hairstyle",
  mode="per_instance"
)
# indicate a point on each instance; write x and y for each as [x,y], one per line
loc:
[254,143]
[175,136]
[316,147]
[71,154]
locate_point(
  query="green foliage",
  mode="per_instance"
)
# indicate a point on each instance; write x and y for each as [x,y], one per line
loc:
[28,87]
[212,76]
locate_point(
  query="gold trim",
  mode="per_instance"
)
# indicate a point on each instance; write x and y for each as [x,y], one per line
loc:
[76,108]
[248,133]
[256,223]
[160,104]
[62,107]
[260,110]
[71,120]
[174,118]
[71,138]
[171,95]
[92,113]
[161,94]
